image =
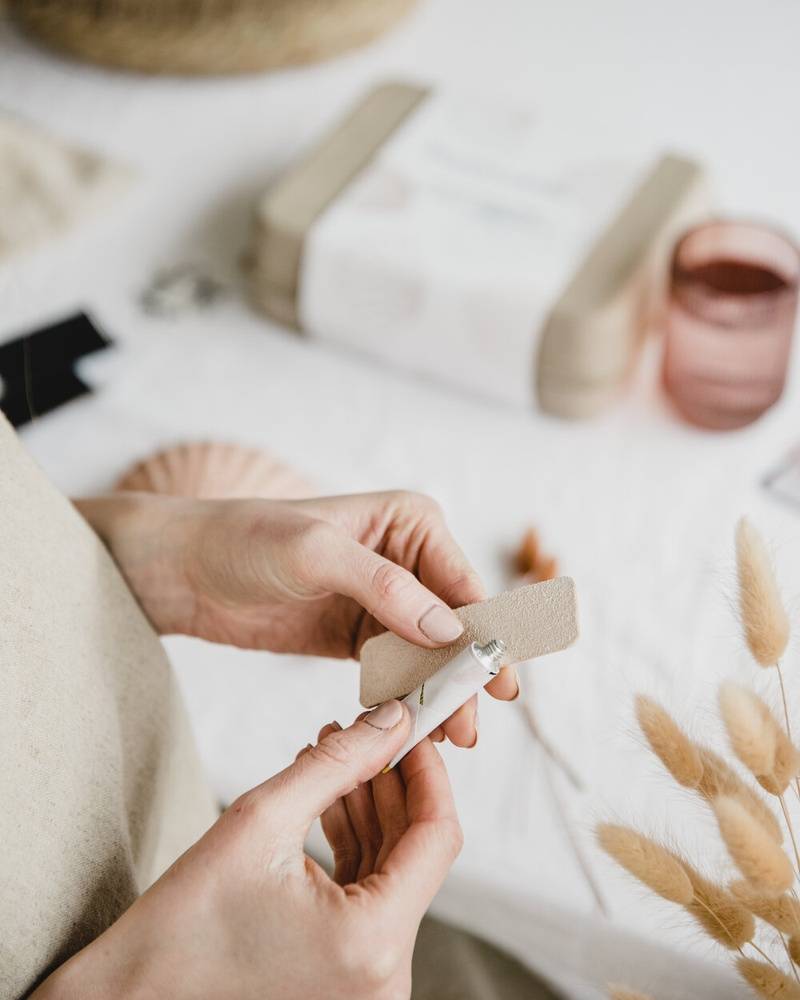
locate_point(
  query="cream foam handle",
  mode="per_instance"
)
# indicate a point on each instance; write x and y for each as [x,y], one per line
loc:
[532,621]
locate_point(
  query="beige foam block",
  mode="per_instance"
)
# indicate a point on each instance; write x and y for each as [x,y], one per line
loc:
[532,621]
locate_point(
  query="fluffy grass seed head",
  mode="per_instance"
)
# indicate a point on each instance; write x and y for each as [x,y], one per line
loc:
[623,993]
[757,738]
[669,743]
[781,912]
[648,861]
[721,915]
[763,616]
[751,728]
[762,862]
[767,981]
[787,763]
[794,948]
[719,778]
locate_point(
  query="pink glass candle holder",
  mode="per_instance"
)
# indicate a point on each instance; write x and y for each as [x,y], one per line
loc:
[729,322]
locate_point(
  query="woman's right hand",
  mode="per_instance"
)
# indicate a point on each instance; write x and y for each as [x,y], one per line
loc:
[245,914]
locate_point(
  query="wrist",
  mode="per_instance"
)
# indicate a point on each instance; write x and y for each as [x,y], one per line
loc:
[148,536]
[117,517]
[96,973]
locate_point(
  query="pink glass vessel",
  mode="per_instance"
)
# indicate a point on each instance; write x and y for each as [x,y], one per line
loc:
[729,322]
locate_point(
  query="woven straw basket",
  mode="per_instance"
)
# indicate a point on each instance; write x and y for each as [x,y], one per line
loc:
[205,36]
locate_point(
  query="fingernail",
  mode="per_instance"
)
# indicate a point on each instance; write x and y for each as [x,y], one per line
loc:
[385,716]
[440,624]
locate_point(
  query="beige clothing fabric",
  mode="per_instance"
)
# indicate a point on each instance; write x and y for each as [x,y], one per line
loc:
[100,784]
[450,964]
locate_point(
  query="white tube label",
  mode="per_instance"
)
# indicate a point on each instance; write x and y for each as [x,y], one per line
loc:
[436,700]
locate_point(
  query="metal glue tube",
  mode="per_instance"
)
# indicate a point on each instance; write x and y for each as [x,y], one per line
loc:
[448,689]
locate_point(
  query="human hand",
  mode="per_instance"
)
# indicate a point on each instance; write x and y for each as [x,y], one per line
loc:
[305,576]
[245,914]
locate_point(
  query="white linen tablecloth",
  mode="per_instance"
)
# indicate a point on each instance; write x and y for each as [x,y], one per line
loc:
[637,506]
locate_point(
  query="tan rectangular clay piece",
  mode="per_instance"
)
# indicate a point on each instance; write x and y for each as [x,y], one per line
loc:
[532,621]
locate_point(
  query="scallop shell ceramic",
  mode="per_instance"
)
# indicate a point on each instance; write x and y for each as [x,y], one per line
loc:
[214,471]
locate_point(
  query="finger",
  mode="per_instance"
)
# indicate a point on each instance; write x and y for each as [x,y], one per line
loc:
[343,843]
[389,796]
[364,820]
[505,686]
[445,569]
[339,762]
[389,593]
[415,869]
[339,833]
[355,820]
[437,736]
[462,726]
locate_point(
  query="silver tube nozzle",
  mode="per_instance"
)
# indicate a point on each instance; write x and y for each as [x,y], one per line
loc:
[494,650]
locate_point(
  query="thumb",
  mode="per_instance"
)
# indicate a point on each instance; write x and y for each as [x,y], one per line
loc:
[390,593]
[335,766]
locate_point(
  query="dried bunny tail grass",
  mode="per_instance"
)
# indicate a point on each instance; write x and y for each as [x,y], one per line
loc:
[717,911]
[719,778]
[669,743]
[787,764]
[794,948]
[721,915]
[762,862]
[763,616]
[781,912]
[757,738]
[751,728]
[766,980]
[647,861]
[623,993]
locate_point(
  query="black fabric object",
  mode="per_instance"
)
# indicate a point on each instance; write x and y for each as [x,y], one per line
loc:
[37,369]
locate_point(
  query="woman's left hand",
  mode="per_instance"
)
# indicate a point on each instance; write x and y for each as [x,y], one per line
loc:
[305,576]
[246,914]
